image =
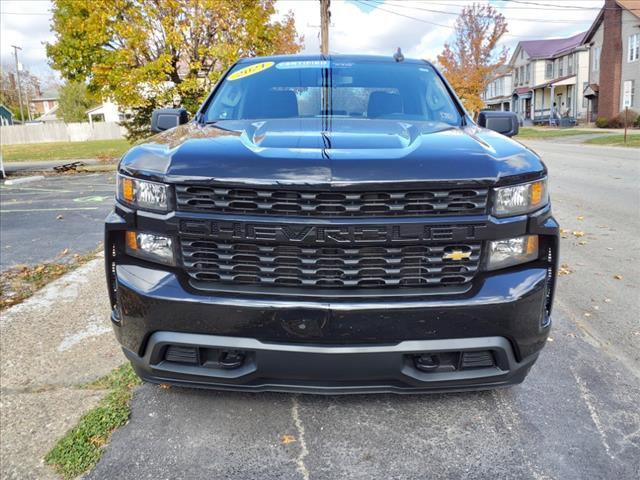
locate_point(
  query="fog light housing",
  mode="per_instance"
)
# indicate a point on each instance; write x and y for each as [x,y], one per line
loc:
[512,251]
[151,247]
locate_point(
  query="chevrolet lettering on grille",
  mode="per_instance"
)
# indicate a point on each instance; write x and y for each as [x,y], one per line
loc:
[340,234]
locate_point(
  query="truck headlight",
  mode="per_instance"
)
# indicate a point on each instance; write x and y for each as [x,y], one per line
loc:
[143,194]
[519,199]
[151,247]
[512,251]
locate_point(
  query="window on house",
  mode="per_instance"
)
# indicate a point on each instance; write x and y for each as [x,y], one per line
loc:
[585,100]
[548,69]
[634,48]
[516,79]
[528,74]
[595,60]
[570,64]
[561,67]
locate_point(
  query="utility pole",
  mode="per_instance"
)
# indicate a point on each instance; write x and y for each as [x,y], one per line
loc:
[325,19]
[15,54]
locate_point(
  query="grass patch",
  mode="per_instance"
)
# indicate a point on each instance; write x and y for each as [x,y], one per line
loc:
[633,140]
[81,448]
[545,132]
[19,283]
[100,149]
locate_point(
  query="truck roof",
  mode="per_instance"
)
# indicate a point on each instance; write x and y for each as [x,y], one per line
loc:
[343,57]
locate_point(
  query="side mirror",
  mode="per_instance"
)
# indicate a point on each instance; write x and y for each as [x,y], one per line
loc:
[505,123]
[165,118]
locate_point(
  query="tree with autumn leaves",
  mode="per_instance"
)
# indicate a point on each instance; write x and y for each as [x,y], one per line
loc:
[470,62]
[145,54]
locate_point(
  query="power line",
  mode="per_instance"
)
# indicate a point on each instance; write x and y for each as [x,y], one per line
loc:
[514,7]
[458,13]
[403,15]
[24,13]
[376,6]
[555,6]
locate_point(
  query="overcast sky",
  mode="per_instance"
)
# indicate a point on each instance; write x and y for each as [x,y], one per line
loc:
[420,27]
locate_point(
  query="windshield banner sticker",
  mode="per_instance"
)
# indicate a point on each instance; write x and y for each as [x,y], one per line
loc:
[303,64]
[250,70]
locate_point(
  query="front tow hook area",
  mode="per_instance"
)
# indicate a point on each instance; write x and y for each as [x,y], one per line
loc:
[231,360]
[436,362]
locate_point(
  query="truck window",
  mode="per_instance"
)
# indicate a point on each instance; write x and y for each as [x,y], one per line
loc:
[324,88]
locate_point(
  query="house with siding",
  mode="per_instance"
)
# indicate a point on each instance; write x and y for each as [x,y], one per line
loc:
[497,95]
[6,116]
[547,80]
[614,71]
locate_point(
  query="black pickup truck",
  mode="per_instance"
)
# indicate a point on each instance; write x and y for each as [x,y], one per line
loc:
[332,224]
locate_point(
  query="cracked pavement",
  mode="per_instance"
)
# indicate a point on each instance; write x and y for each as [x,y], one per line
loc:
[576,416]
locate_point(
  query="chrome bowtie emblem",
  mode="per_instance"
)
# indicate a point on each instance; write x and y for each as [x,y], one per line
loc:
[457,255]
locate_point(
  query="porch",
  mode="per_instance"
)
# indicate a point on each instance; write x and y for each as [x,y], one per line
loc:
[555,103]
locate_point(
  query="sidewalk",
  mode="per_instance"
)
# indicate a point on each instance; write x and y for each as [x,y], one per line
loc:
[51,345]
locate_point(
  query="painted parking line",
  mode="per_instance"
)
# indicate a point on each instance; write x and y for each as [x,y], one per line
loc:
[10,203]
[64,209]
[91,199]
[36,190]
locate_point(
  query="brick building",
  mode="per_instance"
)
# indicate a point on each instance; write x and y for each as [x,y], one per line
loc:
[614,71]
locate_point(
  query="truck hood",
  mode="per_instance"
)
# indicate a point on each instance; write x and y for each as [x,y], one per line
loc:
[340,151]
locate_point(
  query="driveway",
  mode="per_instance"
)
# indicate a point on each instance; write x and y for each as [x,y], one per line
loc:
[575,417]
[41,219]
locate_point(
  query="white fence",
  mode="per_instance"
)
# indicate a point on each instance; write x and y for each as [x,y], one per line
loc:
[60,132]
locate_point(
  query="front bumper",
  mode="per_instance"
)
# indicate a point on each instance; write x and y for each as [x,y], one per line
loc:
[328,369]
[341,344]
[331,347]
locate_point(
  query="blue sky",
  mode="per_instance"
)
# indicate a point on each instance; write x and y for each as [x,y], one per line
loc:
[420,27]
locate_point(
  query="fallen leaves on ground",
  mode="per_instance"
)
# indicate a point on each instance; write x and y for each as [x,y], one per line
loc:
[287,439]
[618,277]
[19,283]
[578,233]
[564,269]
[582,242]
[580,217]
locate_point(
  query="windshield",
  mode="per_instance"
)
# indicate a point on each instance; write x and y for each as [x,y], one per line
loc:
[321,88]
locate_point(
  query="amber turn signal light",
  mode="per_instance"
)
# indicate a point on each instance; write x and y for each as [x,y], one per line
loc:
[127,189]
[132,240]
[537,190]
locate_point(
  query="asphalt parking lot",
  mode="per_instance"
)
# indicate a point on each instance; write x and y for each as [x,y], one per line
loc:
[41,219]
[575,417]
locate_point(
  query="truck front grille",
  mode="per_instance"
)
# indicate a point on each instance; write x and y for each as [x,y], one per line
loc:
[213,262]
[331,203]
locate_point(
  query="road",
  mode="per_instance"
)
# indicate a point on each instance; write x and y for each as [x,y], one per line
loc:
[41,219]
[575,417]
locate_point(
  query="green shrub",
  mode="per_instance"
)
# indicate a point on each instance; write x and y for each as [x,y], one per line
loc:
[618,120]
[602,122]
[636,123]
